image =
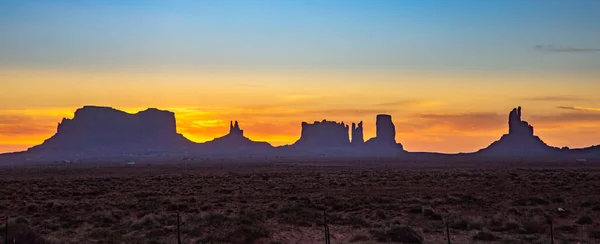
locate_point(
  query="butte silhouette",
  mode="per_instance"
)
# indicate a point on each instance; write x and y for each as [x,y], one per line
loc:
[104,132]
[234,142]
[332,138]
[520,140]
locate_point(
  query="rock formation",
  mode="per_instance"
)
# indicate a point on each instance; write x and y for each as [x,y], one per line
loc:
[234,141]
[385,138]
[520,140]
[104,130]
[323,134]
[357,134]
[235,129]
[386,131]
[516,125]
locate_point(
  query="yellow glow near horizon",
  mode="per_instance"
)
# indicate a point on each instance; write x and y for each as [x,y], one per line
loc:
[445,112]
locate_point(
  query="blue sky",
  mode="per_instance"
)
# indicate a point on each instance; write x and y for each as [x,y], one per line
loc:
[424,35]
[447,70]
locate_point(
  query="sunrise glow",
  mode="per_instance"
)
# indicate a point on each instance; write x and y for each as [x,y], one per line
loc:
[448,82]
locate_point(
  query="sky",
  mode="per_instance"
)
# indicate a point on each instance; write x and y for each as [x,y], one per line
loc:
[448,72]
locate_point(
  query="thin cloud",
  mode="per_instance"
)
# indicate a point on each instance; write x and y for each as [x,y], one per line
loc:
[553,99]
[577,108]
[566,122]
[406,103]
[280,112]
[550,48]
[566,119]
[23,124]
[13,119]
[345,112]
[250,85]
[27,129]
[466,121]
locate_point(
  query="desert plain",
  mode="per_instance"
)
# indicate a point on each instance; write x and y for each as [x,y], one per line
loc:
[283,201]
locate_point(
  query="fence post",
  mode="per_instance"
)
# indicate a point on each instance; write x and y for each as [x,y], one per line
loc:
[178,230]
[327,241]
[551,232]
[447,231]
[6,230]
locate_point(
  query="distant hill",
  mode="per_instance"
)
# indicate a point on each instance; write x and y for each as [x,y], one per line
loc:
[107,131]
[588,152]
[330,138]
[520,141]
[233,142]
[103,132]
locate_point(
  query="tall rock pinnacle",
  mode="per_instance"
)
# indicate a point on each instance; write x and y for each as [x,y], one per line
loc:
[234,129]
[520,140]
[516,126]
[357,134]
[385,138]
[234,141]
[386,131]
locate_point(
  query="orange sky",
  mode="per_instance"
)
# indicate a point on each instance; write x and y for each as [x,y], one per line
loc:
[433,111]
[448,72]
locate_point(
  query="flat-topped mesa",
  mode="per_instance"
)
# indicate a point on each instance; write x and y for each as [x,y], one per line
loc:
[516,126]
[324,134]
[94,119]
[234,129]
[357,134]
[105,129]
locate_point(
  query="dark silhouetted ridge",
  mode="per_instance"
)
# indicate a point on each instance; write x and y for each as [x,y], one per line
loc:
[107,131]
[234,141]
[104,132]
[321,134]
[385,139]
[520,140]
[332,138]
[357,134]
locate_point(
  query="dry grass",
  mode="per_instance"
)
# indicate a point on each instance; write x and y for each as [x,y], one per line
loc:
[282,203]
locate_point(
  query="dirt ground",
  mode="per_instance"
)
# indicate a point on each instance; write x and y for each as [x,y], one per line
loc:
[283,202]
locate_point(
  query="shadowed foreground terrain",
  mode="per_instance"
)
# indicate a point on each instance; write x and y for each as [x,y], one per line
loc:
[225,202]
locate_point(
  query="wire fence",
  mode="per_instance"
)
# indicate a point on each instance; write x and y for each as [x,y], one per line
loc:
[326,230]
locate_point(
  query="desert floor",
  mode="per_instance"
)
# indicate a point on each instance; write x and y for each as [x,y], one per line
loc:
[282,202]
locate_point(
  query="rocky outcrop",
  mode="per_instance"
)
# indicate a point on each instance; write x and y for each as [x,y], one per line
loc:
[99,120]
[107,132]
[520,140]
[323,134]
[385,138]
[518,126]
[357,134]
[234,141]
[386,131]
[104,130]
[235,129]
